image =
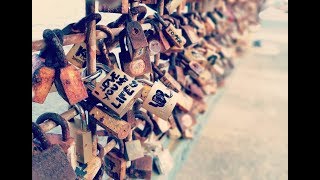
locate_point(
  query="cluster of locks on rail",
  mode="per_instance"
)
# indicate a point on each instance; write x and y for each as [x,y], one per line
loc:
[169,63]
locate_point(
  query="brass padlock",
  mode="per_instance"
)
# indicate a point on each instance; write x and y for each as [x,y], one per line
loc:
[133,149]
[141,168]
[92,169]
[116,127]
[77,55]
[64,140]
[160,100]
[118,91]
[115,162]
[82,135]
[114,6]
[52,163]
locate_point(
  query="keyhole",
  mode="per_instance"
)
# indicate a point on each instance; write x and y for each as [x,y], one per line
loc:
[136,31]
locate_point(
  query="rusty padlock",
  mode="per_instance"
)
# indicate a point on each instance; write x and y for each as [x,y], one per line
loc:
[157,42]
[171,33]
[43,72]
[132,67]
[114,6]
[160,100]
[52,163]
[68,79]
[64,140]
[116,127]
[141,168]
[167,79]
[115,161]
[117,91]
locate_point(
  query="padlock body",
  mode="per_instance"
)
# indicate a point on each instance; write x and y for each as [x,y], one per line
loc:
[160,100]
[72,84]
[41,83]
[117,127]
[118,91]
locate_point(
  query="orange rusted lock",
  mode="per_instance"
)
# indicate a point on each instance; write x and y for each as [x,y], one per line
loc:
[72,84]
[42,79]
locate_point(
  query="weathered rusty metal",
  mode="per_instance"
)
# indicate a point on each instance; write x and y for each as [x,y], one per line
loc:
[52,162]
[141,168]
[116,127]
[48,124]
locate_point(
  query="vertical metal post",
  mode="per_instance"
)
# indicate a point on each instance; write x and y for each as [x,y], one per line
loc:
[91,38]
[160,10]
[90,41]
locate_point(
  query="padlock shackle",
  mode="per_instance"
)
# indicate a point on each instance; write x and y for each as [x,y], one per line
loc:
[40,135]
[145,81]
[144,117]
[83,116]
[58,119]
[54,40]
[91,77]
[119,142]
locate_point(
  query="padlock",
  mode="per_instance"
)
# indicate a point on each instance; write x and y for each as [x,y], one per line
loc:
[141,168]
[93,167]
[190,34]
[145,134]
[77,55]
[114,6]
[64,140]
[167,79]
[163,161]
[133,149]
[99,174]
[139,65]
[185,102]
[160,125]
[155,45]
[43,72]
[116,127]
[155,37]
[171,33]
[117,91]
[184,121]
[160,100]
[115,161]
[52,163]
[172,5]
[68,79]
[193,54]
[82,135]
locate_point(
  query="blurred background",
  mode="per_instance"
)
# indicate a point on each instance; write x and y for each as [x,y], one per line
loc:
[246,134]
